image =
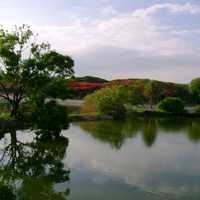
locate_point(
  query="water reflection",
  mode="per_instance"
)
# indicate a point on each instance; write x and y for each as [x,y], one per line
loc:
[143,158]
[194,132]
[30,168]
[116,132]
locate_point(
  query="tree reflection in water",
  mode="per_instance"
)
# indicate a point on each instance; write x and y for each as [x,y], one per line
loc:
[149,131]
[31,170]
[194,131]
[116,132]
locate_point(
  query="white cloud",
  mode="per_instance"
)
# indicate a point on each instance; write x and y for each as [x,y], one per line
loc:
[173,8]
[134,31]
[109,11]
[114,63]
[89,41]
[185,31]
[192,9]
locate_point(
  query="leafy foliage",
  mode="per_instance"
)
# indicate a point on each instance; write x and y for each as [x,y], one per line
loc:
[49,116]
[106,101]
[171,104]
[6,193]
[111,100]
[197,109]
[195,89]
[153,91]
[89,79]
[29,68]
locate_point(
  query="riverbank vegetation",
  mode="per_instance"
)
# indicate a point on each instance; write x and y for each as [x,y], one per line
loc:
[32,74]
[112,100]
[147,96]
[171,104]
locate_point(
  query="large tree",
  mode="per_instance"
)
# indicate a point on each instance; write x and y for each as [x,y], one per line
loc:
[195,89]
[29,68]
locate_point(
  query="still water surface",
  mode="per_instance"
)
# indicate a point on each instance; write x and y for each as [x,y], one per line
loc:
[143,158]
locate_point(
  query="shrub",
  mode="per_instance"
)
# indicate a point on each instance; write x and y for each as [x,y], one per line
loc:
[52,117]
[48,117]
[6,193]
[111,100]
[4,106]
[171,104]
[197,109]
[106,101]
[195,89]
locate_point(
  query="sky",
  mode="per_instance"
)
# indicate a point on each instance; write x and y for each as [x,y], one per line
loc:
[156,39]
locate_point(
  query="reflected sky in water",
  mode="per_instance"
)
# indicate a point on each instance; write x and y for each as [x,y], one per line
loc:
[148,159]
[141,158]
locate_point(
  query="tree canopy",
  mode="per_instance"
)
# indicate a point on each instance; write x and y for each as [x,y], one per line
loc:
[112,100]
[29,68]
[195,89]
[171,104]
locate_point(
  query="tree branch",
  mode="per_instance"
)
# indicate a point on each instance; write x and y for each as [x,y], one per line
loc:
[5,91]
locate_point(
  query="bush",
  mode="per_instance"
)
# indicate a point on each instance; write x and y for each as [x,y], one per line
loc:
[6,193]
[52,117]
[48,117]
[4,106]
[197,109]
[171,104]
[111,100]
[195,89]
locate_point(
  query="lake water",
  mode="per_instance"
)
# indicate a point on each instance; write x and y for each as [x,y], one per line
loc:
[142,159]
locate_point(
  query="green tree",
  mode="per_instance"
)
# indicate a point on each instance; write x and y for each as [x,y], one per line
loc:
[195,89]
[51,119]
[153,91]
[112,100]
[30,69]
[134,96]
[6,193]
[171,104]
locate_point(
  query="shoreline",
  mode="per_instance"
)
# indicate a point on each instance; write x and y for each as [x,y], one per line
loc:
[99,117]
[8,123]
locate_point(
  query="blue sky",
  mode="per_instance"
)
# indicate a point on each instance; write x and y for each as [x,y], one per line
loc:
[117,38]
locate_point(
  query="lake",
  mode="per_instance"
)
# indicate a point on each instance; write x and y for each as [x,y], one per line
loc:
[139,158]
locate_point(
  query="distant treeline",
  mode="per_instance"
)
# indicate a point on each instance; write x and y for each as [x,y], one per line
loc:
[79,87]
[157,89]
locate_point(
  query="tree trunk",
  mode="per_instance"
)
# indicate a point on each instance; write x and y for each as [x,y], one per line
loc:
[151,102]
[14,109]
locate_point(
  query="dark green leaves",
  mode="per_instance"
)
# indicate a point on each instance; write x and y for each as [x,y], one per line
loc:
[31,67]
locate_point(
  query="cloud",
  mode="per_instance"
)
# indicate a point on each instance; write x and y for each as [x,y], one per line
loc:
[173,8]
[111,63]
[185,31]
[133,30]
[109,11]
[128,44]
